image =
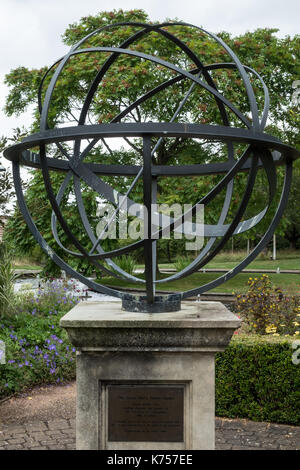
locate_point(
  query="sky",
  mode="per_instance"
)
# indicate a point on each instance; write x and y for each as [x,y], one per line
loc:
[31,30]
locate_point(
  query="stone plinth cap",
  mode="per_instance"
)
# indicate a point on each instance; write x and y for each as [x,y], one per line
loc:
[110,315]
[104,326]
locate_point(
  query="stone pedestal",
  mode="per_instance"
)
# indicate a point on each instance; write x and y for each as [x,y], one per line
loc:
[147,381]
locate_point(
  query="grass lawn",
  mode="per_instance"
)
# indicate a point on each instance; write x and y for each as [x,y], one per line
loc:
[29,267]
[227,260]
[287,282]
[282,262]
[26,262]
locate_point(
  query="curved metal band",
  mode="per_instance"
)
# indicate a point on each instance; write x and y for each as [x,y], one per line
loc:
[31,159]
[46,248]
[86,224]
[200,131]
[235,227]
[179,78]
[146,27]
[170,66]
[262,243]
[111,195]
[59,197]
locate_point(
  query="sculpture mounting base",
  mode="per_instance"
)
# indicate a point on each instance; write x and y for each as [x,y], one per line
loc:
[162,303]
[147,381]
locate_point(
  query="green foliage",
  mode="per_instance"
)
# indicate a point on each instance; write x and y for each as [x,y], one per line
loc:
[7,279]
[37,349]
[267,310]
[256,379]
[5,192]
[17,231]
[127,263]
[5,183]
[181,262]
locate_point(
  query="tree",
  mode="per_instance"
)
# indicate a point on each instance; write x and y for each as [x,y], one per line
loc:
[5,184]
[5,191]
[129,78]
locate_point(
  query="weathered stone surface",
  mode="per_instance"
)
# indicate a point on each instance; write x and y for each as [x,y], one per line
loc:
[110,315]
[198,326]
[142,349]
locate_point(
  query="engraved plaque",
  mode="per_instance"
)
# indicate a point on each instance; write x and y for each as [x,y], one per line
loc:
[148,413]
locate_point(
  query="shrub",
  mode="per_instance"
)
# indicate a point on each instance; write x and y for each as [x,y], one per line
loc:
[37,349]
[181,263]
[127,263]
[256,379]
[267,310]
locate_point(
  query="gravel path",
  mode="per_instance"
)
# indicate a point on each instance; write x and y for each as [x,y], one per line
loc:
[44,418]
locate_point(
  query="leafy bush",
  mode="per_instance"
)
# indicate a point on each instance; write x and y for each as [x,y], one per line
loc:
[181,263]
[37,349]
[256,379]
[127,263]
[267,310]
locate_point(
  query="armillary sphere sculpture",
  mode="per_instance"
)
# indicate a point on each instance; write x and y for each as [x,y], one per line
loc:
[232,129]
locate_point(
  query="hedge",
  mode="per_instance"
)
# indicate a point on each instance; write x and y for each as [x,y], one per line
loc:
[256,379]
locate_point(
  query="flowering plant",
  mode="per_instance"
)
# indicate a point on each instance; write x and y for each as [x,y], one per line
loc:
[268,310]
[37,349]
